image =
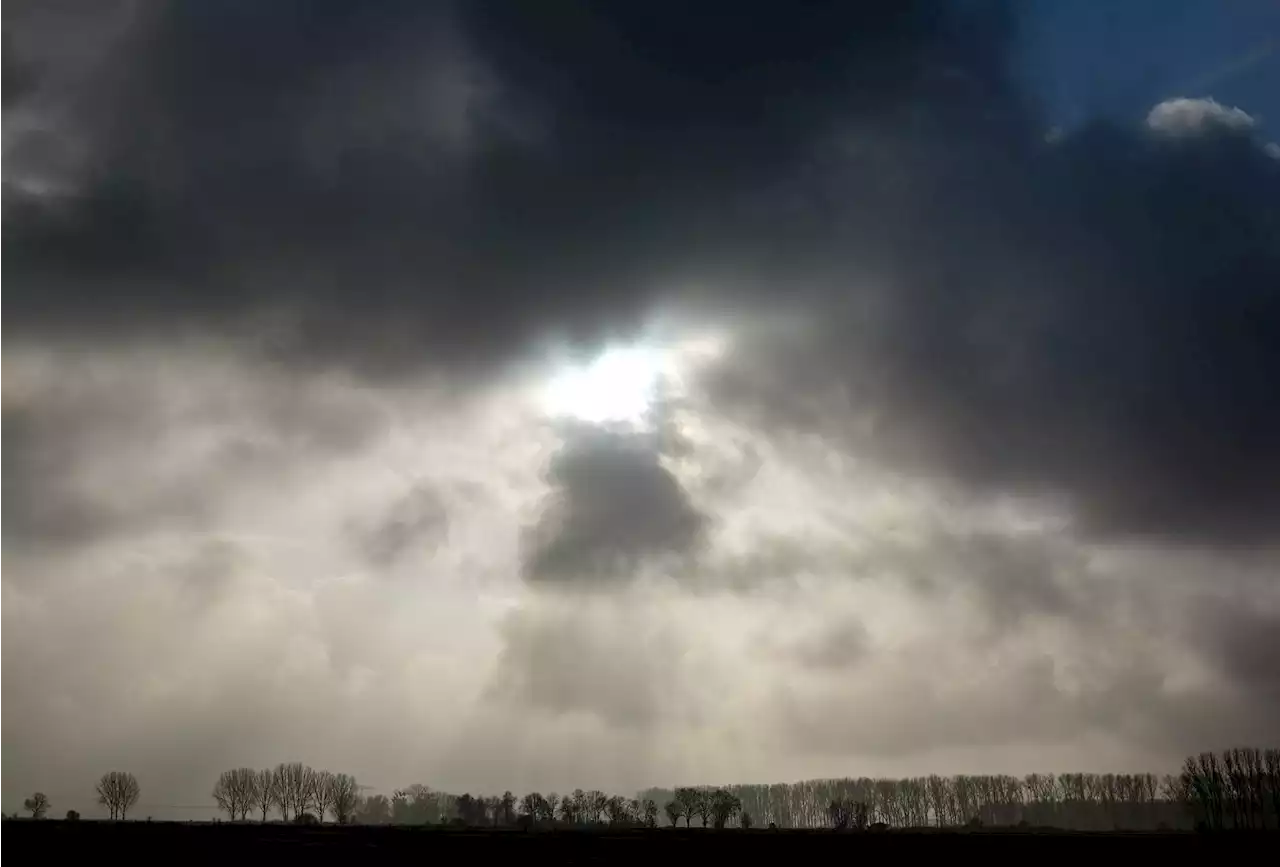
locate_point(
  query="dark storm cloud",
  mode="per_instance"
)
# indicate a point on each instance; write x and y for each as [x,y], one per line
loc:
[451,179]
[411,183]
[612,507]
[1094,321]
[14,80]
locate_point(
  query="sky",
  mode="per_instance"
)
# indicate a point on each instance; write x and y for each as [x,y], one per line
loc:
[530,397]
[1118,59]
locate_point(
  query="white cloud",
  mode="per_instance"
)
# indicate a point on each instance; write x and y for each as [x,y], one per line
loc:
[1186,116]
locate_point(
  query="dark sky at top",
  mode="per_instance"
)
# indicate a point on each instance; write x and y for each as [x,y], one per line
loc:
[1093,317]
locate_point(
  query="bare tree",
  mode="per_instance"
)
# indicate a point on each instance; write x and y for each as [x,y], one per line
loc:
[690,800]
[466,807]
[264,791]
[37,805]
[861,815]
[319,791]
[724,806]
[597,801]
[226,795]
[535,806]
[841,813]
[615,809]
[674,811]
[236,792]
[118,791]
[1206,784]
[1237,788]
[650,810]
[293,783]
[1271,773]
[247,779]
[705,806]
[508,808]
[344,796]
[280,792]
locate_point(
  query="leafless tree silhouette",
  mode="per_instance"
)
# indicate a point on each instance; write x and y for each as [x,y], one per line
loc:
[724,806]
[236,792]
[841,812]
[118,791]
[293,782]
[1238,788]
[319,791]
[264,792]
[344,796]
[37,805]
[690,800]
[569,807]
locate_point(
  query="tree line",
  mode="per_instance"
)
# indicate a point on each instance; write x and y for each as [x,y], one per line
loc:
[1058,800]
[421,805]
[293,790]
[1237,788]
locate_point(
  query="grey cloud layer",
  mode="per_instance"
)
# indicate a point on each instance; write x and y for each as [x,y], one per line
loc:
[265,626]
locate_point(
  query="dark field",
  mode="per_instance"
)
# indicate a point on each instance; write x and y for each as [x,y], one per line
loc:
[203,840]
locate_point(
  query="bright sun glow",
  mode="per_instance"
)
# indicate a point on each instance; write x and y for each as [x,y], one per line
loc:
[621,383]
